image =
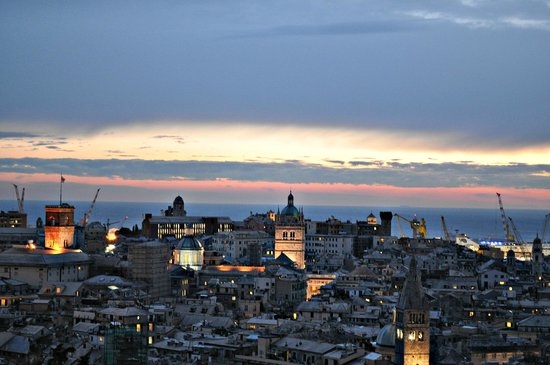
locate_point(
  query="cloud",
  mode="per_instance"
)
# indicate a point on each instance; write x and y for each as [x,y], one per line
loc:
[523,23]
[365,172]
[445,17]
[16,135]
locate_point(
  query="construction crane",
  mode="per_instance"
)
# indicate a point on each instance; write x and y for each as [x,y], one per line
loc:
[84,221]
[516,234]
[508,235]
[20,199]
[446,234]
[418,227]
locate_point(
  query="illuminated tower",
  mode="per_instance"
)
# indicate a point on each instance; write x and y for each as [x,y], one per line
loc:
[412,322]
[290,234]
[59,226]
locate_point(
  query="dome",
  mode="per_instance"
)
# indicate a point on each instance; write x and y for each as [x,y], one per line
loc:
[189,243]
[290,211]
[178,201]
[386,336]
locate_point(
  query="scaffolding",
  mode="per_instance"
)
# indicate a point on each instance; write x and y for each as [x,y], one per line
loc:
[125,346]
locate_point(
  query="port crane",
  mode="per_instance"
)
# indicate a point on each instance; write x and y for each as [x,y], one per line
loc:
[84,221]
[418,227]
[508,235]
[20,199]
[446,234]
[512,235]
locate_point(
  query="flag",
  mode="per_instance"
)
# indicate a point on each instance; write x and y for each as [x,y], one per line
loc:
[62,179]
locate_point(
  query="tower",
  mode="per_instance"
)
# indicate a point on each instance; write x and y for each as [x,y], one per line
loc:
[290,234]
[59,227]
[511,263]
[412,322]
[537,259]
[179,207]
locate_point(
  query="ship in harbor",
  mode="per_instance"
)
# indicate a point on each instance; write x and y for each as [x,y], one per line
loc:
[513,240]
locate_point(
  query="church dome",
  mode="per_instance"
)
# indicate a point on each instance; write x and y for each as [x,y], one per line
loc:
[178,201]
[189,243]
[290,210]
[386,336]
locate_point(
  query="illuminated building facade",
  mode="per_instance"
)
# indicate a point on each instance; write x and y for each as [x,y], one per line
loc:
[176,223]
[59,226]
[188,253]
[290,234]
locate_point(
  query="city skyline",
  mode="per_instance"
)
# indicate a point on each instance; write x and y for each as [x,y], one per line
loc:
[348,103]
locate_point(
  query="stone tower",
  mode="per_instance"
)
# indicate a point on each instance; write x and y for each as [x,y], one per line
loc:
[290,234]
[59,227]
[537,259]
[412,322]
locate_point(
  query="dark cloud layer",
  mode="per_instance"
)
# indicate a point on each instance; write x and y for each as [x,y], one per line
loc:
[395,173]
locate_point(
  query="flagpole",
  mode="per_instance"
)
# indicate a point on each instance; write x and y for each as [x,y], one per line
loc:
[61,189]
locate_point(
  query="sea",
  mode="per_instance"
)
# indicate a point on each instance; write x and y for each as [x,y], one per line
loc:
[478,224]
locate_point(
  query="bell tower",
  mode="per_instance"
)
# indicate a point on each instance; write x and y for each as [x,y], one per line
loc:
[537,259]
[290,234]
[412,322]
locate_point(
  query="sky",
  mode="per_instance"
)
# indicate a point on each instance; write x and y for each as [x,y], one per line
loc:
[369,103]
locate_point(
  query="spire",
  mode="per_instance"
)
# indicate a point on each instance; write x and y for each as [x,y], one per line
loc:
[412,296]
[290,199]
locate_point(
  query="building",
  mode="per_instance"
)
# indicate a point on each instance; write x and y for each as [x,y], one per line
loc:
[148,263]
[126,345]
[176,223]
[12,219]
[412,322]
[59,227]
[290,234]
[188,253]
[36,266]
[244,247]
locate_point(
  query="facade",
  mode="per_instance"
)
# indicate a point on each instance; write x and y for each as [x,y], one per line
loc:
[188,253]
[176,223]
[241,246]
[149,264]
[38,266]
[412,322]
[328,246]
[290,234]
[12,219]
[59,226]
[95,235]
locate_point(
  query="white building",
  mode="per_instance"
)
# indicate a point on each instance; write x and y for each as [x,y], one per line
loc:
[36,266]
[239,246]
[321,245]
